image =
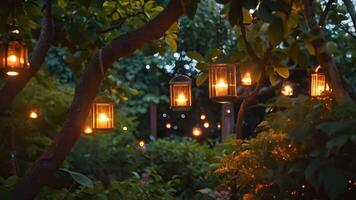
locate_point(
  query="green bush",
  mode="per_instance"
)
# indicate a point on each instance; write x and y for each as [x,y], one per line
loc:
[305,149]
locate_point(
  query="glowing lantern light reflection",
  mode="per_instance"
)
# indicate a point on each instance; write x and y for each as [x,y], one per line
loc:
[246,79]
[287,89]
[141,143]
[168,125]
[206,125]
[202,117]
[88,130]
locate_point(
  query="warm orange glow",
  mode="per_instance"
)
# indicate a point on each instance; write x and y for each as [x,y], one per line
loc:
[218,126]
[12,73]
[246,79]
[206,125]
[180,93]
[222,82]
[88,130]
[141,143]
[318,84]
[287,90]
[182,100]
[202,117]
[168,125]
[221,88]
[16,31]
[197,131]
[228,111]
[12,59]
[103,116]
[33,115]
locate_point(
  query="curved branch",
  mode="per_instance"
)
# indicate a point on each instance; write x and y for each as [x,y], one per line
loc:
[46,166]
[13,86]
[324,14]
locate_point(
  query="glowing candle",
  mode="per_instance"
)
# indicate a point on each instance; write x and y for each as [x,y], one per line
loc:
[221,88]
[141,143]
[246,79]
[287,90]
[181,100]
[103,119]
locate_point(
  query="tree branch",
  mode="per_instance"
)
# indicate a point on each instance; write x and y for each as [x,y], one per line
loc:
[13,86]
[46,166]
[324,14]
[351,9]
[323,56]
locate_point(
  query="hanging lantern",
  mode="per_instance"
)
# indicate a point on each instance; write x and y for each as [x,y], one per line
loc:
[13,54]
[222,82]
[246,79]
[319,86]
[180,93]
[287,89]
[102,116]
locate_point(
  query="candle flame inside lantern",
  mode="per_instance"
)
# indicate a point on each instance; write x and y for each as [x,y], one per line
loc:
[287,90]
[103,117]
[246,79]
[181,100]
[221,88]
[12,59]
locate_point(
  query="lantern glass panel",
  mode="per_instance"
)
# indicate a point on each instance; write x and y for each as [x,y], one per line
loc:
[103,116]
[180,93]
[319,86]
[14,57]
[222,82]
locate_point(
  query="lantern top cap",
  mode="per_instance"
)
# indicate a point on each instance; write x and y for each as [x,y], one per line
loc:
[179,78]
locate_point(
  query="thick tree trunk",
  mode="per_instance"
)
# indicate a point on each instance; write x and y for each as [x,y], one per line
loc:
[13,86]
[44,168]
[324,58]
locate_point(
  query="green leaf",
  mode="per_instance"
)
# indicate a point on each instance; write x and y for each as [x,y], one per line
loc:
[201,78]
[196,56]
[275,31]
[337,142]
[273,79]
[215,54]
[247,18]
[333,181]
[333,128]
[171,42]
[309,46]
[4,193]
[115,16]
[202,66]
[79,178]
[282,71]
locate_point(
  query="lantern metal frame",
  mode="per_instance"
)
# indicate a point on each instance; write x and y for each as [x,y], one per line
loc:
[101,105]
[180,85]
[318,80]
[224,75]
[13,43]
